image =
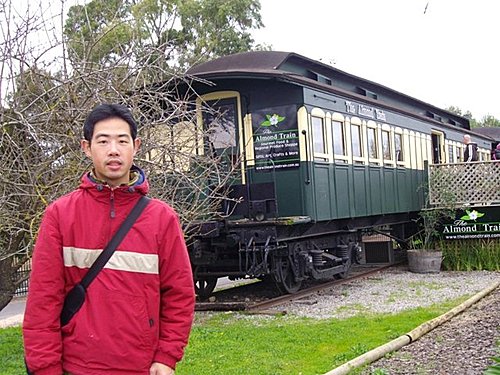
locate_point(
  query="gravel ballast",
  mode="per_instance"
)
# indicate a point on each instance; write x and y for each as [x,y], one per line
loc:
[390,291]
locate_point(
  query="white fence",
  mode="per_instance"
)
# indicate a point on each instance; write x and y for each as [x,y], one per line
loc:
[464,184]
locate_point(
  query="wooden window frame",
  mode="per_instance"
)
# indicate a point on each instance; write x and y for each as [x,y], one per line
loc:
[320,156]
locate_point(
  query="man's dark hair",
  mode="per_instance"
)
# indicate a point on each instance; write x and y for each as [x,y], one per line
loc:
[105,111]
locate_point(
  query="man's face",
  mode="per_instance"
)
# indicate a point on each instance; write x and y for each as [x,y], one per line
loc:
[112,150]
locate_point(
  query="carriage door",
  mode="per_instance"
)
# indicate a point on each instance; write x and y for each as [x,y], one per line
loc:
[220,116]
[437,147]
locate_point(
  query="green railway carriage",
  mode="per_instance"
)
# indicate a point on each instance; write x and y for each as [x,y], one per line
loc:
[320,156]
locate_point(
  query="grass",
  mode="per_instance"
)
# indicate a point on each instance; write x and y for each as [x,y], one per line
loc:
[232,344]
[11,351]
[469,255]
[235,344]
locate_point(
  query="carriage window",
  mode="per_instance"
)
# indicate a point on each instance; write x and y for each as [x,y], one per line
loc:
[319,145]
[356,140]
[338,138]
[398,145]
[372,143]
[451,157]
[386,145]
[220,122]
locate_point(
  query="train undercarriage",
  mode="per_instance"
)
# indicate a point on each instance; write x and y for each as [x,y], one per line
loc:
[285,250]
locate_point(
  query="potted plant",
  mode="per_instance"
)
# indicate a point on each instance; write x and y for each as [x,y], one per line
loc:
[424,255]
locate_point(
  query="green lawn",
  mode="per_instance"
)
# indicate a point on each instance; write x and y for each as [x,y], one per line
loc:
[232,344]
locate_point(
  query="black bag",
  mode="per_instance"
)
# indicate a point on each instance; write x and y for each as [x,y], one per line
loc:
[76,296]
[72,303]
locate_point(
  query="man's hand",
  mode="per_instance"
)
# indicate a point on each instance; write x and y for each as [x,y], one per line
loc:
[160,369]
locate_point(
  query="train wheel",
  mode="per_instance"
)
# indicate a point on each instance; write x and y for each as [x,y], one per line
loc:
[348,263]
[205,287]
[344,273]
[285,279]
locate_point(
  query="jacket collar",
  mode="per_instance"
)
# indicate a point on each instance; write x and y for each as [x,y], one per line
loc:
[138,183]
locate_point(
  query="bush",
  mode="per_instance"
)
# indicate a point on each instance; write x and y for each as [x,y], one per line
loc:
[471,255]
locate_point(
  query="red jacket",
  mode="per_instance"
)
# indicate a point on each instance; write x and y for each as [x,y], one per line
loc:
[140,307]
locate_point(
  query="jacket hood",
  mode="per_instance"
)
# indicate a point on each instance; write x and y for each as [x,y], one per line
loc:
[138,182]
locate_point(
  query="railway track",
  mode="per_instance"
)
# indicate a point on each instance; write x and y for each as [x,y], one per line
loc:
[243,297]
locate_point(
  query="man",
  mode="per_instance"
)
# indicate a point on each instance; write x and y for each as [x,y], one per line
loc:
[470,153]
[138,312]
[496,153]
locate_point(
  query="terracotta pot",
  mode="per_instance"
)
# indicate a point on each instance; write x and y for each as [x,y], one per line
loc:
[424,261]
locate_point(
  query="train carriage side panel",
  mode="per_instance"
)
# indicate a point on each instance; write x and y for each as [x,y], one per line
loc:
[358,188]
[266,98]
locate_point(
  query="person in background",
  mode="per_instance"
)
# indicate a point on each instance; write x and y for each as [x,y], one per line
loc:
[138,312]
[495,155]
[470,153]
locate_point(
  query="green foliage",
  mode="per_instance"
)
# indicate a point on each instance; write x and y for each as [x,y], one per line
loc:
[486,121]
[432,216]
[490,121]
[471,255]
[429,221]
[494,369]
[172,32]
[98,30]
[231,343]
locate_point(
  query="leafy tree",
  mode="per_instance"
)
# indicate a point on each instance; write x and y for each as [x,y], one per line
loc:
[98,32]
[486,121]
[171,32]
[490,121]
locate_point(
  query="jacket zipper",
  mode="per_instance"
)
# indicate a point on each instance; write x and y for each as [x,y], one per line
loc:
[112,202]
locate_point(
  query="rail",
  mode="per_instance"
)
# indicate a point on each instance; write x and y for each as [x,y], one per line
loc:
[464,184]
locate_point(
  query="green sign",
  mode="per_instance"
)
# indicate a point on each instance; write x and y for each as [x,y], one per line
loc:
[474,222]
[275,138]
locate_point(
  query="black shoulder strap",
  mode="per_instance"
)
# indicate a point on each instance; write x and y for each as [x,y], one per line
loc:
[108,251]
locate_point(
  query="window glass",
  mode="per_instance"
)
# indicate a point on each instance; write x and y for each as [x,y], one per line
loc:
[398,145]
[318,136]
[450,154]
[338,138]
[372,143]
[220,122]
[386,145]
[356,140]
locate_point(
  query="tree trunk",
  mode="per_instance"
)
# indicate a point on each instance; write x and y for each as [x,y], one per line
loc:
[7,284]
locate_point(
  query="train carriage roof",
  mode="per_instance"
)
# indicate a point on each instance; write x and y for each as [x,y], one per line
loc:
[302,70]
[243,62]
[492,132]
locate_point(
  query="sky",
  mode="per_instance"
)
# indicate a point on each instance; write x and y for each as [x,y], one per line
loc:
[443,52]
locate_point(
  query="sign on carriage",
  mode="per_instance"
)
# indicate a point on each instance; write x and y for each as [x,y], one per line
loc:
[275,138]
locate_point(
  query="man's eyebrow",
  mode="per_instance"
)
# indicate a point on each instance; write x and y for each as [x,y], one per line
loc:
[112,135]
